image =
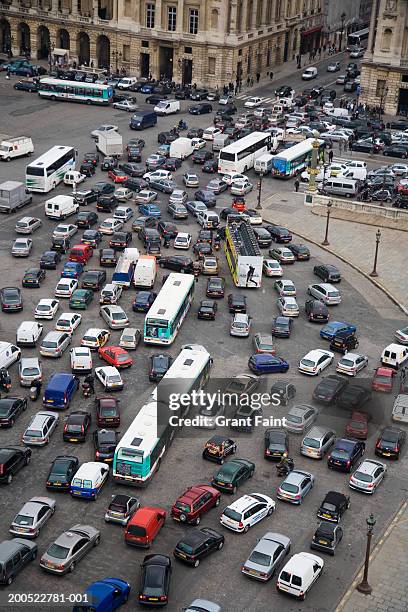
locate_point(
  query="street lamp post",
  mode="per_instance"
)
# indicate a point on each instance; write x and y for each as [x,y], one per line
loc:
[313,166]
[364,587]
[326,235]
[377,244]
[259,206]
[343,18]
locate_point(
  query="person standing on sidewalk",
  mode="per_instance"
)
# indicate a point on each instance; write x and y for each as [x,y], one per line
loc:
[258,76]
[297,185]
[330,156]
[271,75]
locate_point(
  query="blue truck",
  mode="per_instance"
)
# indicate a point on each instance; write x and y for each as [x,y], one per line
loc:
[104,595]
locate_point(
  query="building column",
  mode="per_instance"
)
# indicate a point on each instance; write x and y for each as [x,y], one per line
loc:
[253,16]
[264,11]
[74,7]
[114,15]
[373,23]
[233,17]
[180,16]
[95,7]
[54,7]
[158,15]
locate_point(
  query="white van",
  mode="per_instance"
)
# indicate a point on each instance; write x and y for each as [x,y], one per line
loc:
[355,173]
[9,353]
[394,355]
[61,207]
[145,272]
[73,177]
[181,148]
[15,147]
[208,219]
[309,73]
[131,253]
[167,107]
[263,164]
[220,141]
[89,479]
[127,82]
[29,371]
[110,294]
[337,112]
[299,574]
[28,333]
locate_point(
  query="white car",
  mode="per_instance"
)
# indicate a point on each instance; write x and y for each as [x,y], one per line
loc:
[368,476]
[27,225]
[399,169]
[247,511]
[145,196]
[46,309]
[333,67]
[262,110]
[95,337]
[114,316]
[182,241]
[40,428]
[211,132]
[253,216]
[104,128]
[315,361]
[325,292]
[130,338]
[64,230]
[73,177]
[272,267]
[110,378]
[126,105]
[190,180]
[123,213]
[28,333]
[65,287]
[198,143]
[233,176]
[110,226]
[351,363]
[241,187]
[402,335]
[68,322]
[158,174]
[285,287]
[81,360]
[299,574]
[123,194]
[288,306]
[253,102]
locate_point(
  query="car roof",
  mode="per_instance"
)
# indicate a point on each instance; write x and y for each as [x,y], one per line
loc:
[296,476]
[335,498]
[244,502]
[368,466]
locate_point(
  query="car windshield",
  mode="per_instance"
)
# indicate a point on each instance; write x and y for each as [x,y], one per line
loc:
[30,371]
[232,514]
[288,487]
[57,551]
[311,442]
[23,520]
[347,362]
[260,558]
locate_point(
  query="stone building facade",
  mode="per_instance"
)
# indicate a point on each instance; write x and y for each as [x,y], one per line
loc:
[384,74]
[208,42]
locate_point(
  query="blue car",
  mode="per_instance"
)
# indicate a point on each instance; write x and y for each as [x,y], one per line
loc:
[344,454]
[143,301]
[331,329]
[104,595]
[72,269]
[150,210]
[147,89]
[262,363]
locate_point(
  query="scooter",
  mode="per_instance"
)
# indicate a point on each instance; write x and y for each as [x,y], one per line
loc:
[87,390]
[283,469]
[5,380]
[34,392]
[182,126]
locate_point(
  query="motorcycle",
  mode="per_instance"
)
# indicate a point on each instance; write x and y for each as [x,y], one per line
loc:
[5,380]
[182,126]
[285,467]
[87,390]
[217,246]
[34,392]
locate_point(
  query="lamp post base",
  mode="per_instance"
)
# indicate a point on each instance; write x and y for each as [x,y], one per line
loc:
[373,274]
[325,243]
[364,588]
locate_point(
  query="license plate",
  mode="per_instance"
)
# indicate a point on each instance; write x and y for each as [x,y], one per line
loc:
[182,555]
[57,484]
[109,420]
[73,439]
[50,401]
[338,462]
[153,599]
[322,541]
[326,515]
[19,530]
[221,483]
[387,454]
[76,492]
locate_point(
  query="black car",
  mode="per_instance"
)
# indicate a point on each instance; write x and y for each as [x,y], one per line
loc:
[205,235]
[282,392]
[109,163]
[237,303]
[316,311]
[11,299]
[300,251]
[134,154]
[401,201]
[154,99]
[107,258]
[281,327]
[201,156]
[345,454]
[363,146]
[84,197]
[350,86]
[93,279]
[136,184]
[199,94]
[12,459]
[120,240]
[279,234]
[33,277]
[194,132]
[60,244]
[398,124]
[143,300]
[121,508]
[333,506]
[285,91]
[200,109]
[215,287]
[178,263]
[155,580]
[263,237]
[233,474]
[343,341]
[172,164]
[353,397]
[105,442]
[87,168]
[206,196]
[326,537]
[329,388]
[10,409]
[76,426]
[135,142]
[197,544]
[218,448]
[91,237]
[167,229]
[49,260]
[63,469]
[103,188]
[328,273]
[210,166]
[389,442]
[207,310]
[30,86]
[276,444]
[143,223]
[202,249]
[158,366]
[106,203]
[86,219]
[133,169]
[167,137]
[182,94]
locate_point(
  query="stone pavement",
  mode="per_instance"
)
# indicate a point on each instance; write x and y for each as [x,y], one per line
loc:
[388,573]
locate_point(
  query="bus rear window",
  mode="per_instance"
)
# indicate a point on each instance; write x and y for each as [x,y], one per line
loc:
[227,156]
[33,171]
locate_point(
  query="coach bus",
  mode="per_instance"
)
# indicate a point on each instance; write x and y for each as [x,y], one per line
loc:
[290,162]
[240,156]
[358,39]
[46,172]
[75,91]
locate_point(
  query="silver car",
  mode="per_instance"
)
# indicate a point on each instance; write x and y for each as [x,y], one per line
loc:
[32,517]
[269,552]
[55,343]
[190,180]
[178,196]
[368,476]
[69,548]
[300,417]
[317,442]
[29,371]
[40,428]
[295,487]
[27,225]
[22,247]
[114,315]
[240,325]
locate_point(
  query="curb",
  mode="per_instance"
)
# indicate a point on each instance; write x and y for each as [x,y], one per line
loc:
[377,549]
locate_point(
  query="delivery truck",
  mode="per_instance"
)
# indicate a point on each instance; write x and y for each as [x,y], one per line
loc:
[145,272]
[110,143]
[15,147]
[181,148]
[13,195]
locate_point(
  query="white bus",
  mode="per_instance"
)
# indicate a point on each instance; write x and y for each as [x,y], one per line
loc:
[75,91]
[240,156]
[169,309]
[47,171]
[295,159]
[143,446]
[358,39]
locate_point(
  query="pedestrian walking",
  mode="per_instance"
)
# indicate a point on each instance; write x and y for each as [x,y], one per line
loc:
[248,81]
[271,75]
[297,185]
[330,156]
[258,76]
[252,82]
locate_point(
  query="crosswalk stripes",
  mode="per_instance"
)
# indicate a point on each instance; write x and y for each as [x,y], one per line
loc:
[264,100]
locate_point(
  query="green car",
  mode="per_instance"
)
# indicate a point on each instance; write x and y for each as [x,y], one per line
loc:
[80,299]
[232,474]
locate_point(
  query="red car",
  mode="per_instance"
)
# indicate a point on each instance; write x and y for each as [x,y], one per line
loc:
[357,427]
[117,176]
[80,253]
[115,356]
[383,379]
[238,202]
[194,502]
[402,188]
[107,411]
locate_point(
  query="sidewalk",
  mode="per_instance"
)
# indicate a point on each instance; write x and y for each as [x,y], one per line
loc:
[388,573]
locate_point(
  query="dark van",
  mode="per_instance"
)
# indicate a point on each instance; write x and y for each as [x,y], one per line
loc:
[14,556]
[151,239]
[143,120]
[60,390]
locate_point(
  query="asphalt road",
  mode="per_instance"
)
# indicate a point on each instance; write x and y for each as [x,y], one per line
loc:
[218,578]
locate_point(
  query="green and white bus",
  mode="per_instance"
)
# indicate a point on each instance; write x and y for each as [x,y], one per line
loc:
[75,91]
[144,445]
[47,171]
[296,158]
[169,309]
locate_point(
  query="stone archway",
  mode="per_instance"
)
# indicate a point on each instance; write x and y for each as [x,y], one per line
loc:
[83,49]
[103,51]
[24,38]
[43,44]
[63,39]
[5,36]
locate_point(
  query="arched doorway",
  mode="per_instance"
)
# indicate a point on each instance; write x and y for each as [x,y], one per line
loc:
[5,36]
[103,51]
[43,44]
[83,49]
[24,39]
[63,39]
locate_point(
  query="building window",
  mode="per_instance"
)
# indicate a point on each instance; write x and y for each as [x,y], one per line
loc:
[150,14]
[188,50]
[193,21]
[128,8]
[126,53]
[380,89]
[145,43]
[171,18]
[386,39]
[211,65]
